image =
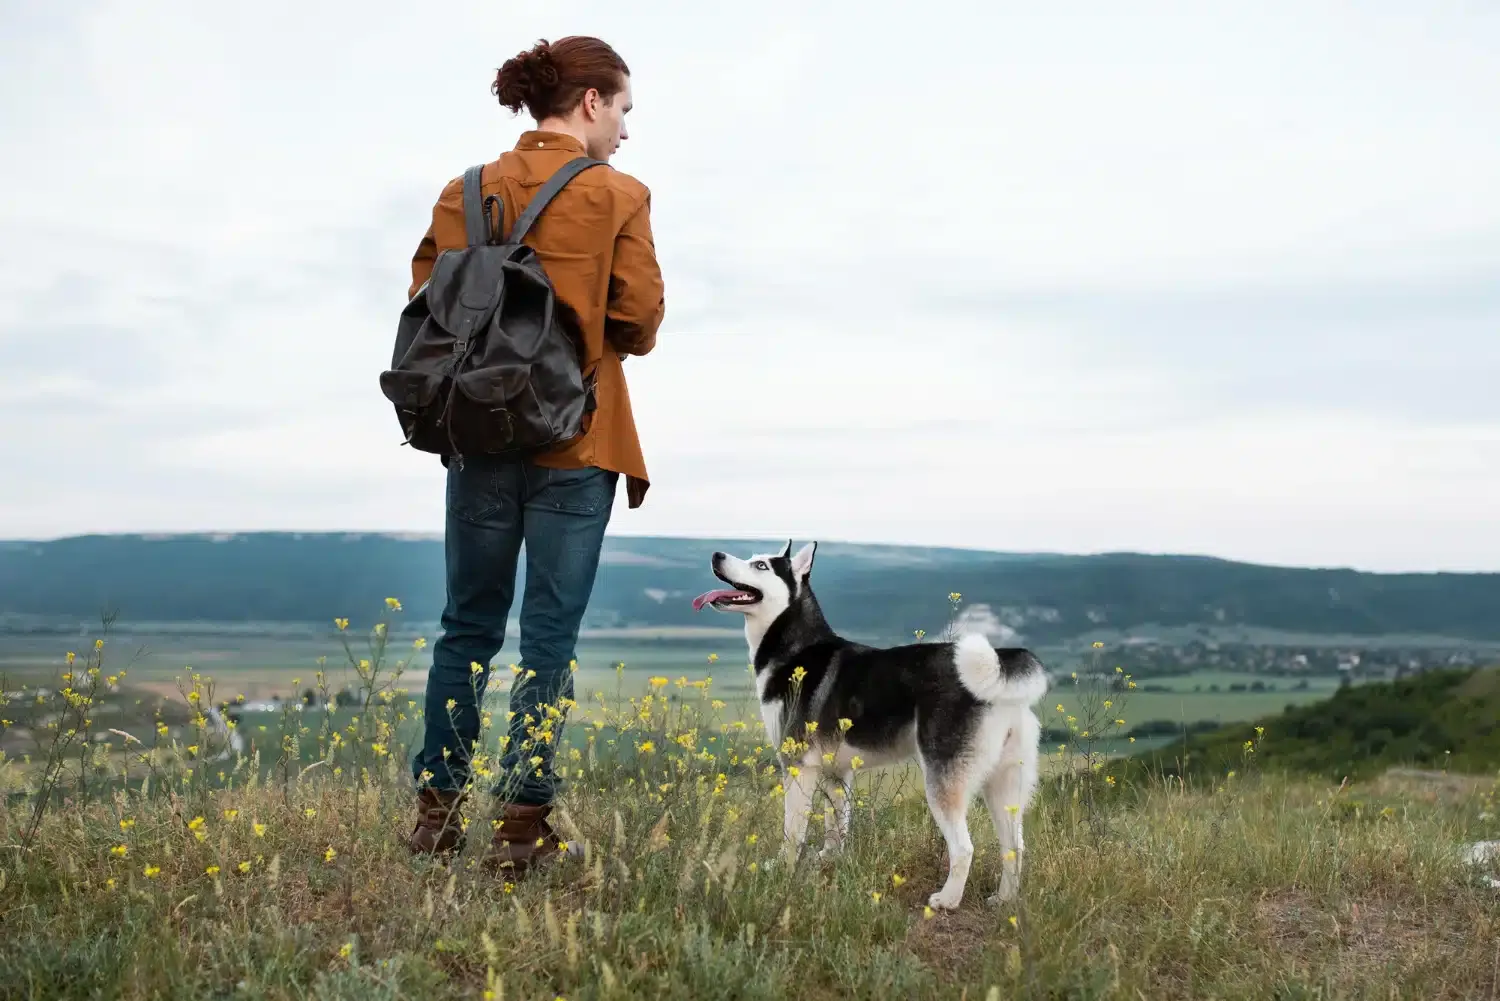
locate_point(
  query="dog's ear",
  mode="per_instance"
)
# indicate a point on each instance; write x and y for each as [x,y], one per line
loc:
[803,561]
[788,550]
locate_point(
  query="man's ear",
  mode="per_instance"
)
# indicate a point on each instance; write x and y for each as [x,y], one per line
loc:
[803,561]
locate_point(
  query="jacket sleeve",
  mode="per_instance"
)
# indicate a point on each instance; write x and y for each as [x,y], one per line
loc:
[421,263]
[427,251]
[637,300]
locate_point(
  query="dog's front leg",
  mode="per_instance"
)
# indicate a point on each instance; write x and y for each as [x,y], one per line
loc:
[799,795]
[840,789]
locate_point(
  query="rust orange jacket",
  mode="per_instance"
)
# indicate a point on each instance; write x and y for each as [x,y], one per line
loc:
[594,240]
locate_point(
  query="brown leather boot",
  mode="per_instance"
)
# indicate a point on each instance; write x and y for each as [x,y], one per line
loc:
[439,827]
[523,839]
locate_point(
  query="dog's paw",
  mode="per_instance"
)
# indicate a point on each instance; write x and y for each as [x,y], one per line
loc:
[944,901]
[1004,895]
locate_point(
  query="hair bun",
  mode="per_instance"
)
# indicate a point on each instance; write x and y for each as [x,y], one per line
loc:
[528,78]
[538,61]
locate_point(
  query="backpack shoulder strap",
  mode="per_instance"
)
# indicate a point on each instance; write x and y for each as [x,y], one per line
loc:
[539,201]
[474,222]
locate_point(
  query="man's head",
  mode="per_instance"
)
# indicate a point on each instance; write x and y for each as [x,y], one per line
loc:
[576,85]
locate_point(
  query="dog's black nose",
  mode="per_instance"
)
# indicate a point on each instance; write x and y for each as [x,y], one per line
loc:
[718,558]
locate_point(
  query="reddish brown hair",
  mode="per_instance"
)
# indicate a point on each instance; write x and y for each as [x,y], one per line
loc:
[550,78]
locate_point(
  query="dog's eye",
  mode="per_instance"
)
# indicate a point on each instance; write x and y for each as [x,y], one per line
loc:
[761,565]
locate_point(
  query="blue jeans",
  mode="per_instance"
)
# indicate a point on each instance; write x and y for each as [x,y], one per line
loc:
[494,505]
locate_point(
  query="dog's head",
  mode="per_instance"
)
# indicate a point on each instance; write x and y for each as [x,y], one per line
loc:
[762,586]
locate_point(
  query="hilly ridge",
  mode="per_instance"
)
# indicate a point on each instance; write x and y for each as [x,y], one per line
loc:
[878,591]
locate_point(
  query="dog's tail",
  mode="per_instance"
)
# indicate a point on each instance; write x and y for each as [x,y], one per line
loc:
[1011,676]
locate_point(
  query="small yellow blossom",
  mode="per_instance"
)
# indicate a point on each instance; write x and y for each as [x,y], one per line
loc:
[212,870]
[329,855]
[393,604]
[120,851]
[151,871]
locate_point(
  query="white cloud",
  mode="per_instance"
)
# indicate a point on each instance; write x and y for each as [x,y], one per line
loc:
[1220,279]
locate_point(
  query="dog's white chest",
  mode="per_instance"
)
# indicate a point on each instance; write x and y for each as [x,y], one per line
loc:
[770,712]
[770,716]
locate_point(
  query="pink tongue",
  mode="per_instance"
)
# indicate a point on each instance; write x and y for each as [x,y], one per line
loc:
[704,599]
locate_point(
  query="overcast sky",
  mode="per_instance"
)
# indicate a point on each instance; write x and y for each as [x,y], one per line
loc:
[1211,278]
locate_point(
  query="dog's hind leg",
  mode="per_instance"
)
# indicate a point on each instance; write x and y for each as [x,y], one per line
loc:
[1007,792]
[948,795]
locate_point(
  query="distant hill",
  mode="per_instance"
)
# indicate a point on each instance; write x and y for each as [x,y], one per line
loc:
[880,592]
[1440,719]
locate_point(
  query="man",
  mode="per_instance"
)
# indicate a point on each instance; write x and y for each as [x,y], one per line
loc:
[595,243]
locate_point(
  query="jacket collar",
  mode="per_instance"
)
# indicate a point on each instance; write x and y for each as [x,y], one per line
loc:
[539,139]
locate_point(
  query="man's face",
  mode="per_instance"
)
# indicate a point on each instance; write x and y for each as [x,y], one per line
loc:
[606,121]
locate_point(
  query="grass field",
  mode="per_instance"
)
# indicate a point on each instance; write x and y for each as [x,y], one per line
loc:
[142,873]
[261,666]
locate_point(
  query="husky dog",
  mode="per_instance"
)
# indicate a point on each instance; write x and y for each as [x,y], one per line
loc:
[961,709]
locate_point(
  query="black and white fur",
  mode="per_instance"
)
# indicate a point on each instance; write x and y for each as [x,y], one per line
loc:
[962,709]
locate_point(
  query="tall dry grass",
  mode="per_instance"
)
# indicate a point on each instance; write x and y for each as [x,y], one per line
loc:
[151,866]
